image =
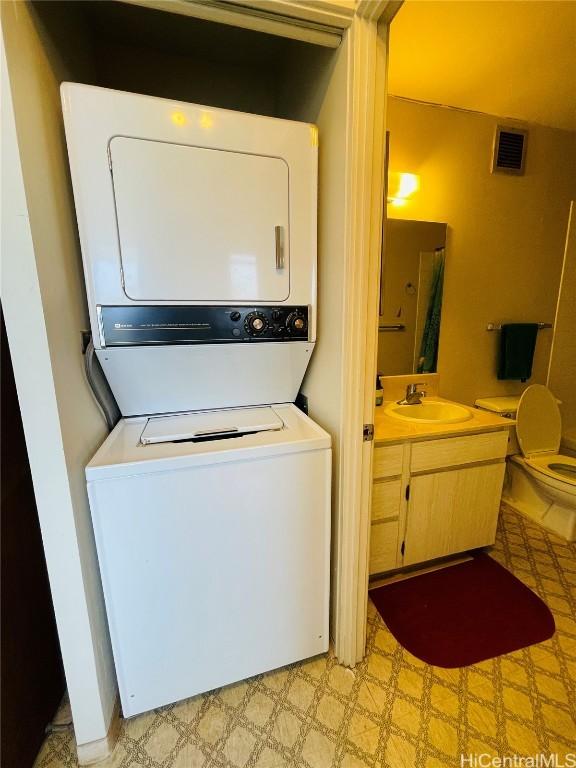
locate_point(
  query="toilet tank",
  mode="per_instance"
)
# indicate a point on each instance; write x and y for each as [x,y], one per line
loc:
[505,407]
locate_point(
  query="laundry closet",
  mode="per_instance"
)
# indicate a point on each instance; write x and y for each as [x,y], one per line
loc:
[205,73]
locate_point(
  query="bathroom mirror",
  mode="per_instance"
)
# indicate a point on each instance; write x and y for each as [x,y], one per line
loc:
[411,297]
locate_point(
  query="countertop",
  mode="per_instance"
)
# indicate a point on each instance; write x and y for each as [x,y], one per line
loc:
[387,429]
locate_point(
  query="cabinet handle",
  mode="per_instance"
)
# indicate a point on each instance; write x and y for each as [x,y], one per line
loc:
[279,248]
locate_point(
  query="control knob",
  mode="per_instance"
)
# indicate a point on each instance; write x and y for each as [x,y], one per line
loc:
[296,323]
[255,323]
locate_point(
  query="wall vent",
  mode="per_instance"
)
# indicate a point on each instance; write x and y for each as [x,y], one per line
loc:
[509,150]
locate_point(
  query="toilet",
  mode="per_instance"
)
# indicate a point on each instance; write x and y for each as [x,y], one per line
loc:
[541,481]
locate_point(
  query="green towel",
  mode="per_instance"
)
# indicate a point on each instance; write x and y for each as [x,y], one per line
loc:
[517,344]
[428,358]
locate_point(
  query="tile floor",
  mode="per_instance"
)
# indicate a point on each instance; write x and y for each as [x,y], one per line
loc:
[392,709]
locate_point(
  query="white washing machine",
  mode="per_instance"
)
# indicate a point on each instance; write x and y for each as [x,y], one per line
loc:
[214,553]
[211,498]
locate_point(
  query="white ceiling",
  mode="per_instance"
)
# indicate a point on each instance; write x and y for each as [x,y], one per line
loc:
[512,59]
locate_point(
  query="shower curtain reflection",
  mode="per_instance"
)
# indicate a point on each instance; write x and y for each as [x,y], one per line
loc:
[431,334]
[411,296]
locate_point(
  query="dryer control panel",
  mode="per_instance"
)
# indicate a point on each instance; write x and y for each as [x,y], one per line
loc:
[143,325]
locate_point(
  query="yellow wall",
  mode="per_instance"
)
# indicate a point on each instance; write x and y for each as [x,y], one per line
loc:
[505,238]
[562,376]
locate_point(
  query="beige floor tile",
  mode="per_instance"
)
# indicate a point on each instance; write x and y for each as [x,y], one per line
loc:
[475,746]
[411,683]
[259,709]
[276,680]
[443,737]
[478,678]
[350,760]
[135,727]
[359,724]
[318,751]
[286,729]
[565,624]
[563,751]
[189,709]
[300,694]
[521,738]
[559,721]
[372,697]
[545,658]
[366,741]
[315,668]
[552,688]
[481,718]
[341,679]
[380,667]
[485,694]
[165,742]
[407,715]
[450,677]
[268,758]
[445,705]
[212,725]
[189,757]
[567,645]
[400,752]
[330,712]
[392,711]
[434,762]
[238,746]
[233,695]
[517,703]
[386,642]
[513,670]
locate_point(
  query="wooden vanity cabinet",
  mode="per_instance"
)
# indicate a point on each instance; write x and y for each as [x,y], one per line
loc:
[442,499]
[387,496]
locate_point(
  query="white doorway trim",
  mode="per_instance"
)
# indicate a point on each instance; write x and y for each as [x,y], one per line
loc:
[365,188]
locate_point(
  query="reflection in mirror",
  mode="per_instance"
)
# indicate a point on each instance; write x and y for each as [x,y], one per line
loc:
[411,297]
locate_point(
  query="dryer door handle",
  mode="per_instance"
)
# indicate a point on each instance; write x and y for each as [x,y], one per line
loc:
[279,247]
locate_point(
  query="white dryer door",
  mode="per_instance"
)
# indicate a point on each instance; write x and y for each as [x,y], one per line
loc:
[198,224]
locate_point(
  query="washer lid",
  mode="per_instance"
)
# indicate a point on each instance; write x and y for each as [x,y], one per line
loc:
[538,421]
[206,425]
[123,455]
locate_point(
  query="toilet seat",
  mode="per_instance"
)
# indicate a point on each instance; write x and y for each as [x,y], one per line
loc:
[546,464]
[538,422]
[539,431]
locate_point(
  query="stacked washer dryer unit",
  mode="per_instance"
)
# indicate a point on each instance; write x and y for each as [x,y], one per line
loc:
[211,498]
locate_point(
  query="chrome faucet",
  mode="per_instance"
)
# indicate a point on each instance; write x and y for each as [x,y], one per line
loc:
[413,395]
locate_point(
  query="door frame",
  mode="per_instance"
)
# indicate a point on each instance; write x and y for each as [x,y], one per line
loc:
[366,132]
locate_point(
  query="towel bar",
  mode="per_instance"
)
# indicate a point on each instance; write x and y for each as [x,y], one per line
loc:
[498,327]
[392,327]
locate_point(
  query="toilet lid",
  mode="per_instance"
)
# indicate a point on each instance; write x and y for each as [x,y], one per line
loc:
[538,421]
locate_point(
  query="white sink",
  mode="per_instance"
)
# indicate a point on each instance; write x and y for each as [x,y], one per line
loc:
[429,412]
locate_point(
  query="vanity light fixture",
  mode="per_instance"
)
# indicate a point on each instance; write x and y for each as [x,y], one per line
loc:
[401,187]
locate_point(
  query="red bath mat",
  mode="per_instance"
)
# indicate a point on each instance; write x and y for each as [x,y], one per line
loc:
[463,614]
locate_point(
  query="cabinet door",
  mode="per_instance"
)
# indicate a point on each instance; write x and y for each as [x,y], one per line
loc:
[383,547]
[452,511]
[386,500]
[197,224]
